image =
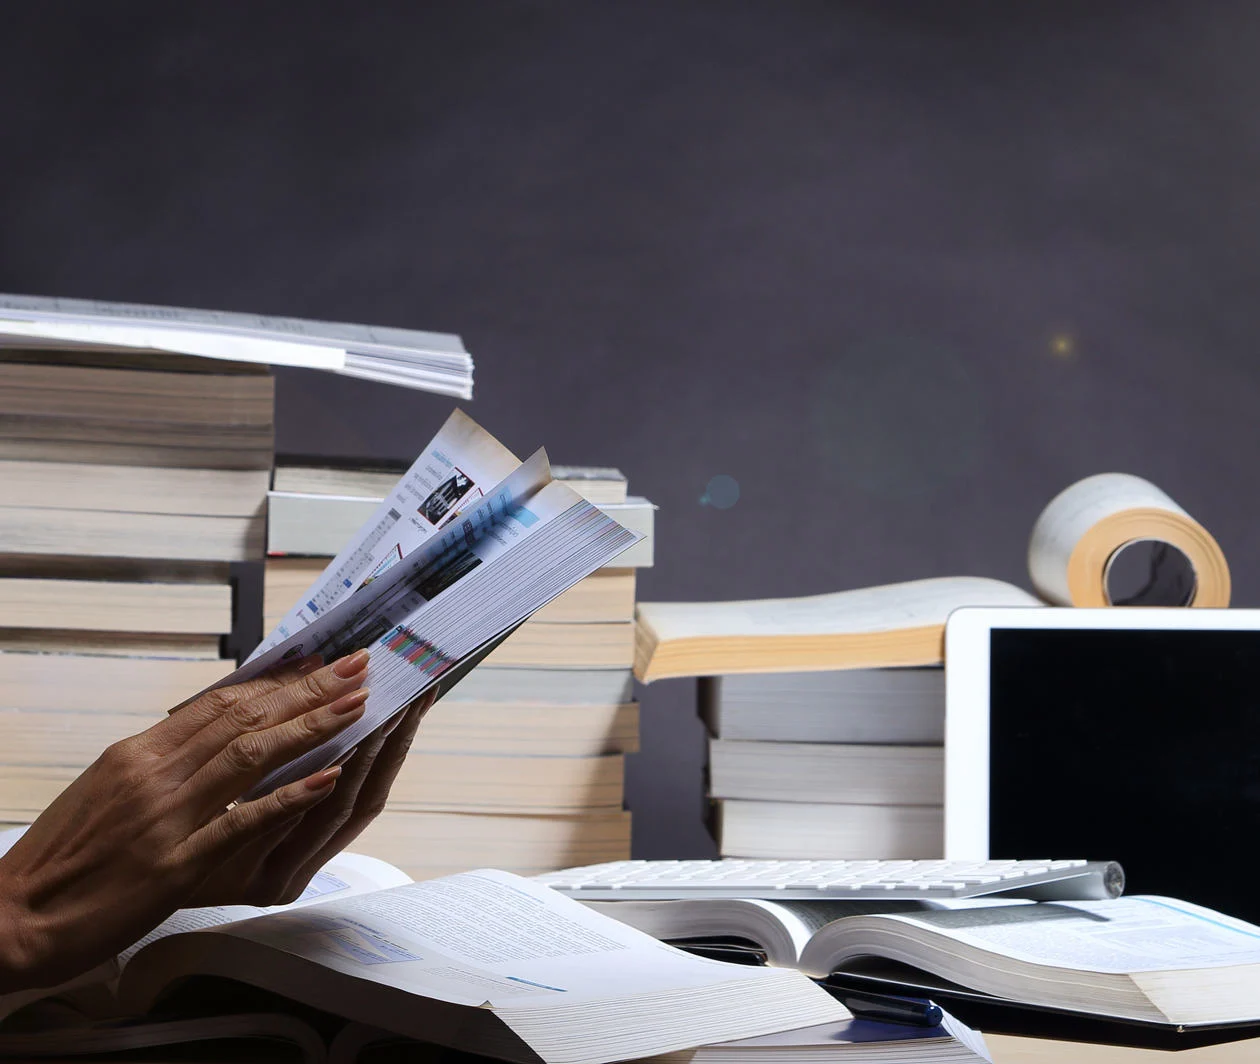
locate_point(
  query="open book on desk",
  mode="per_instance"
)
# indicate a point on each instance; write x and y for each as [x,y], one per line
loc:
[481,961]
[446,572]
[1140,959]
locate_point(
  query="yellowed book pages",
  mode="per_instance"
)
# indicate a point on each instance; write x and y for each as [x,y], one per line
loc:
[70,739]
[105,684]
[488,784]
[573,646]
[134,489]
[1083,528]
[606,596]
[284,579]
[116,606]
[114,644]
[874,627]
[43,388]
[101,534]
[426,845]
[1016,1049]
[523,728]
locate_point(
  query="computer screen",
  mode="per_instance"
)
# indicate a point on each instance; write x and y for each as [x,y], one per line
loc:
[1141,746]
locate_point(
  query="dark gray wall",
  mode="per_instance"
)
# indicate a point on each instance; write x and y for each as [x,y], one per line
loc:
[824,248]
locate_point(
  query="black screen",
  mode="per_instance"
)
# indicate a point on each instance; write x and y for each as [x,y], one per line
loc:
[1136,746]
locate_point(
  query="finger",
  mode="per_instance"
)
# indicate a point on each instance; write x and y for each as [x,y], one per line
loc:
[296,860]
[319,688]
[225,836]
[247,759]
[188,718]
[372,790]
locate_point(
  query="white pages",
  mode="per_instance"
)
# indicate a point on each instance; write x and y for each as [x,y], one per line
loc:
[433,362]
[448,600]
[573,985]
[460,464]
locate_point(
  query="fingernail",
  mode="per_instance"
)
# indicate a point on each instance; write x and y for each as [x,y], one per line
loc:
[352,664]
[323,779]
[389,728]
[347,703]
[310,663]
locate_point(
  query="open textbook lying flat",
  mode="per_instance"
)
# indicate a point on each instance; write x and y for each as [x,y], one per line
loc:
[433,362]
[455,559]
[1140,959]
[1074,546]
[481,961]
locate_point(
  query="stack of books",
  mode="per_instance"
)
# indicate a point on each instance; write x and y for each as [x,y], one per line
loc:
[837,764]
[826,713]
[129,484]
[521,766]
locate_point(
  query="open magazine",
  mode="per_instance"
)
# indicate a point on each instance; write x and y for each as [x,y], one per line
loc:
[432,362]
[483,961]
[450,565]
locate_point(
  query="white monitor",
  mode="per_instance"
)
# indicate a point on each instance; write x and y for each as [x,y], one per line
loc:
[1109,734]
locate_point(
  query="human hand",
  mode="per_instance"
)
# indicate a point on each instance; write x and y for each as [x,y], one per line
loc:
[140,831]
[277,866]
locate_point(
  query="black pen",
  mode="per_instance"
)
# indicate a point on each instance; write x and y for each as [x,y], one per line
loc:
[888,1008]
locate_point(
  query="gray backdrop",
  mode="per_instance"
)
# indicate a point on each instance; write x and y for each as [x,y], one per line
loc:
[902,270]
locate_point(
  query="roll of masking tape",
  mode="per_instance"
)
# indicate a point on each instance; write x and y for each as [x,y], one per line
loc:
[1080,540]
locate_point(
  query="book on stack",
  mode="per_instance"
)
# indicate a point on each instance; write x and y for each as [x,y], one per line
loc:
[521,766]
[836,764]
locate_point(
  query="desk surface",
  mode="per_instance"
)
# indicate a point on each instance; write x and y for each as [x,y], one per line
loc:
[1010,1049]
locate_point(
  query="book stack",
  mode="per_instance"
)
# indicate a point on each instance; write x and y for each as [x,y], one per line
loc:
[837,764]
[520,766]
[826,713]
[129,484]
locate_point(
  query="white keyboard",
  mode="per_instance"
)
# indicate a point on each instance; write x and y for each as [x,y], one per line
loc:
[819,880]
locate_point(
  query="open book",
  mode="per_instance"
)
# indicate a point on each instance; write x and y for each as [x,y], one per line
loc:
[482,961]
[450,565]
[1073,551]
[1143,959]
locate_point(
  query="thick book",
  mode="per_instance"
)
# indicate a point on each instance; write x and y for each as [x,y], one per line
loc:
[877,627]
[482,961]
[850,773]
[541,645]
[375,479]
[790,831]
[115,605]
[425,844]
[305,524]
[525,729]
[840,706]
[434,362]
[604,597]
[498,784]
[56,408]
[1141,959]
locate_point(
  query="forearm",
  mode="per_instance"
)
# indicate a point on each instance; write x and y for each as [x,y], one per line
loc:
[22,961]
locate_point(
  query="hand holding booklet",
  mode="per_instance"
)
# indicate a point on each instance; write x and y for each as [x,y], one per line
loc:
[465,548]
